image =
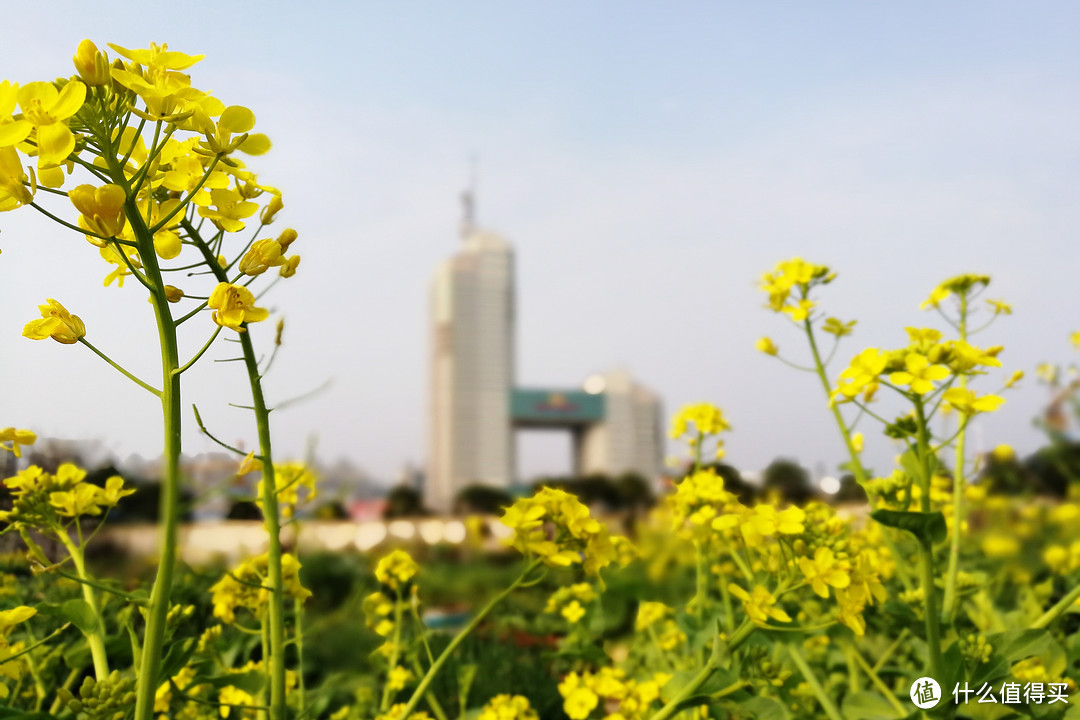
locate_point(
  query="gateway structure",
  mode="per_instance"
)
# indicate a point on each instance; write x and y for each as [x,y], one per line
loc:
[476,405]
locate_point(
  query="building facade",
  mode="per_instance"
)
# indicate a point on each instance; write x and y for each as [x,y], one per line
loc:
[476,407]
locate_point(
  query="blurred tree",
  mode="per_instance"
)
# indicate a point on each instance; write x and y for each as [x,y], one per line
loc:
[404,501]
[244,510]
[635,492]
[790,480]
[482,499]
[331,510]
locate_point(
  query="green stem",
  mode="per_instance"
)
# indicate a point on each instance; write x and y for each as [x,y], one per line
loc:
[691,688]
[1056,611]
[125,373]
[877,681]
[271,517]
[425,682]
[808,675]
[880,663]
[150,662]
[298,641]
[926,547]
[948,608]
[95,639]
[273,530]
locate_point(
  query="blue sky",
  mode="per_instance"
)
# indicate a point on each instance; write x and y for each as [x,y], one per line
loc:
[649,161]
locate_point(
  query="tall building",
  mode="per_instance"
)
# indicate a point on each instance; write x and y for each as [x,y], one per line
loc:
[475,405]
[472,308]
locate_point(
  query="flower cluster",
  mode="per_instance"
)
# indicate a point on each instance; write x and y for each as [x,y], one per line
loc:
[701,420]
[556,527]
[245,587]
[48,501]
[571,601]
[610,688]
[508,707]
[789,285]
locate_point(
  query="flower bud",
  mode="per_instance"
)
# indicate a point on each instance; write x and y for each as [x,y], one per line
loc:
[767,346]
[285,239]
[173,294]
[272,209]
[263,255]
[92,66]
[288,268]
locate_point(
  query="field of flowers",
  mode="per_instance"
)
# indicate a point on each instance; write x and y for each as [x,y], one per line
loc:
[940,593]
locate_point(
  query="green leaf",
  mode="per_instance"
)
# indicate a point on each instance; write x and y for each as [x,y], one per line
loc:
[868,706]
[763,708]
[176,657]
[250,682]
[717,681]
[922,525]
[75,611]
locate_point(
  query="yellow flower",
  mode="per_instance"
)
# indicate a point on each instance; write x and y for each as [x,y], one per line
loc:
[1000,546]
[862,372]
[923,339]
[288,268]
[1014,378]
[857,442]
[578,700]
[231,695]
[47,110]
[13,193]
[228,209]
[964,401]
[837,327]
[825,570]
[766,346]
[1004,453]
[234,305]
[759,606]
[999,307]
[396,569]
[1074,338]
[102,210]
[112,492]
[573,611]
[650,613]
[80,500]
[959,285]
[800,311]
[705,418]
[263,255]
[56,323]
[850,605]
[398,678]
[92,65]
[16,438]
[920,374]
[508,707]
[272,209]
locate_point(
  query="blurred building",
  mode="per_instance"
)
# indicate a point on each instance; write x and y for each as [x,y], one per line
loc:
[476,408]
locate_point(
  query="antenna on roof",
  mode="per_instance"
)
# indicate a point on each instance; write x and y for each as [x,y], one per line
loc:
[468,199]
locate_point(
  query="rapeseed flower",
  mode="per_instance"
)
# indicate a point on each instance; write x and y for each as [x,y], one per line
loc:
[234,305]
[15,439]
[56,322]
[760,604]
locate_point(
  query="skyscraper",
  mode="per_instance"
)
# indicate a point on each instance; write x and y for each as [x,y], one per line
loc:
[472,308]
